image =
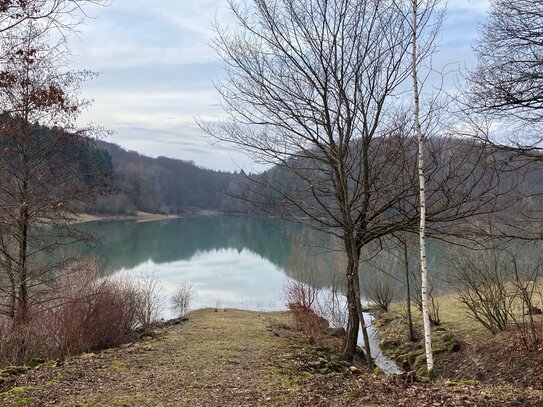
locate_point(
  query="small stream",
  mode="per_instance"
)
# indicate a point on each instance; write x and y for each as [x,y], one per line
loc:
[387,365]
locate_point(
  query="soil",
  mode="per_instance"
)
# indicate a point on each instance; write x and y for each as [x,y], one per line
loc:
[237,358]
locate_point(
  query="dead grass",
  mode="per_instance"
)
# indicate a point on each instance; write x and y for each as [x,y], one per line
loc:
[454,317]
[232,358]
[219,358]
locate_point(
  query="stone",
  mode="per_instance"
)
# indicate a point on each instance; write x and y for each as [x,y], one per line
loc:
[353,369]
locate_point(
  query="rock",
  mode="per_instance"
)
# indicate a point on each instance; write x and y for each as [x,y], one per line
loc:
[389,344]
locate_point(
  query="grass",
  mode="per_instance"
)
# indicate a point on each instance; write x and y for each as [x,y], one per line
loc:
[453,315]
[222,357]
[228,358]
[17,397]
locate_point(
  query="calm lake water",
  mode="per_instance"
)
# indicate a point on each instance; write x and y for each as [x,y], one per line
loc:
[230,261]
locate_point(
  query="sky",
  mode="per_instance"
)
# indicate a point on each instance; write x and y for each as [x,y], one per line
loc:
[156,72]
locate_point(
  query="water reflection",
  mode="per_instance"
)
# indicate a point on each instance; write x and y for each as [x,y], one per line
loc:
[231,258]
[127,244]
[221,278]
[238,262]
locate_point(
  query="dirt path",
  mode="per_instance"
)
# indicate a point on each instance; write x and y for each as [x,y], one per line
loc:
[224,358]
[235,358]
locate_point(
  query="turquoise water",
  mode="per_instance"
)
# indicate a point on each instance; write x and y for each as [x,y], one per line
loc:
[230,261]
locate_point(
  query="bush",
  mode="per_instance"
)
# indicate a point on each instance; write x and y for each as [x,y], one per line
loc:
[302,300]
[182,298]
[149,294]
[501,288]
[82,313]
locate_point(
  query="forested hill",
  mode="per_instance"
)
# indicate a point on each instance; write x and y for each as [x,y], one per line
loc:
[160,185]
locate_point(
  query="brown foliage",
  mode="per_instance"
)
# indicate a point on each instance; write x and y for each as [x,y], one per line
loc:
[85,314]
[301,299]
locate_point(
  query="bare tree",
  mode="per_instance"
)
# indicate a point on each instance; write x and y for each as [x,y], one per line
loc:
[182,298]
[42,167]
[380,276]
[61,15]
[311,87]
[508,80]
[150,300]
[421,12]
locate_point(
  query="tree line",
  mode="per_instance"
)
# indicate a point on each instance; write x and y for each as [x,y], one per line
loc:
[160,185]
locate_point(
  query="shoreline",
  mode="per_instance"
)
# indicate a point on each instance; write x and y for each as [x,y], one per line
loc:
[139,217]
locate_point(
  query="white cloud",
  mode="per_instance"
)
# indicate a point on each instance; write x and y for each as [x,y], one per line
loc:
[471,6]
[157,69]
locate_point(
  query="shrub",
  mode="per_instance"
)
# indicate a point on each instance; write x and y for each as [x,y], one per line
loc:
[82,313]
[301,299]
[149,295]
[501,287]
[182,298]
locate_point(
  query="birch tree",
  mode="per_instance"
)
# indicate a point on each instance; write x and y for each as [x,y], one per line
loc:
[422,195]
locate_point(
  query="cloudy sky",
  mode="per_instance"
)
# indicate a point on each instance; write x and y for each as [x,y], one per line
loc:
[156,71]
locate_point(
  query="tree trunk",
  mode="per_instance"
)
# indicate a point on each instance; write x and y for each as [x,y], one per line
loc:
[23,314]
[351,337]
[422,190]
[354,302]
[367,346]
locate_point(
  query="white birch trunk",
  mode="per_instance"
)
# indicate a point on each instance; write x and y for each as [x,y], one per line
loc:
[422,190]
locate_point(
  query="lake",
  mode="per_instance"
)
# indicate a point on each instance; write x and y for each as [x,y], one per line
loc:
[230,261]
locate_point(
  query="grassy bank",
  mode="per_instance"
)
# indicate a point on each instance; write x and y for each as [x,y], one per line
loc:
[463,349]
[235,358]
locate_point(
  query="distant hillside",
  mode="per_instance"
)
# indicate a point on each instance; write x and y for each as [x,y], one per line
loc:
[160,185]
[171,186]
